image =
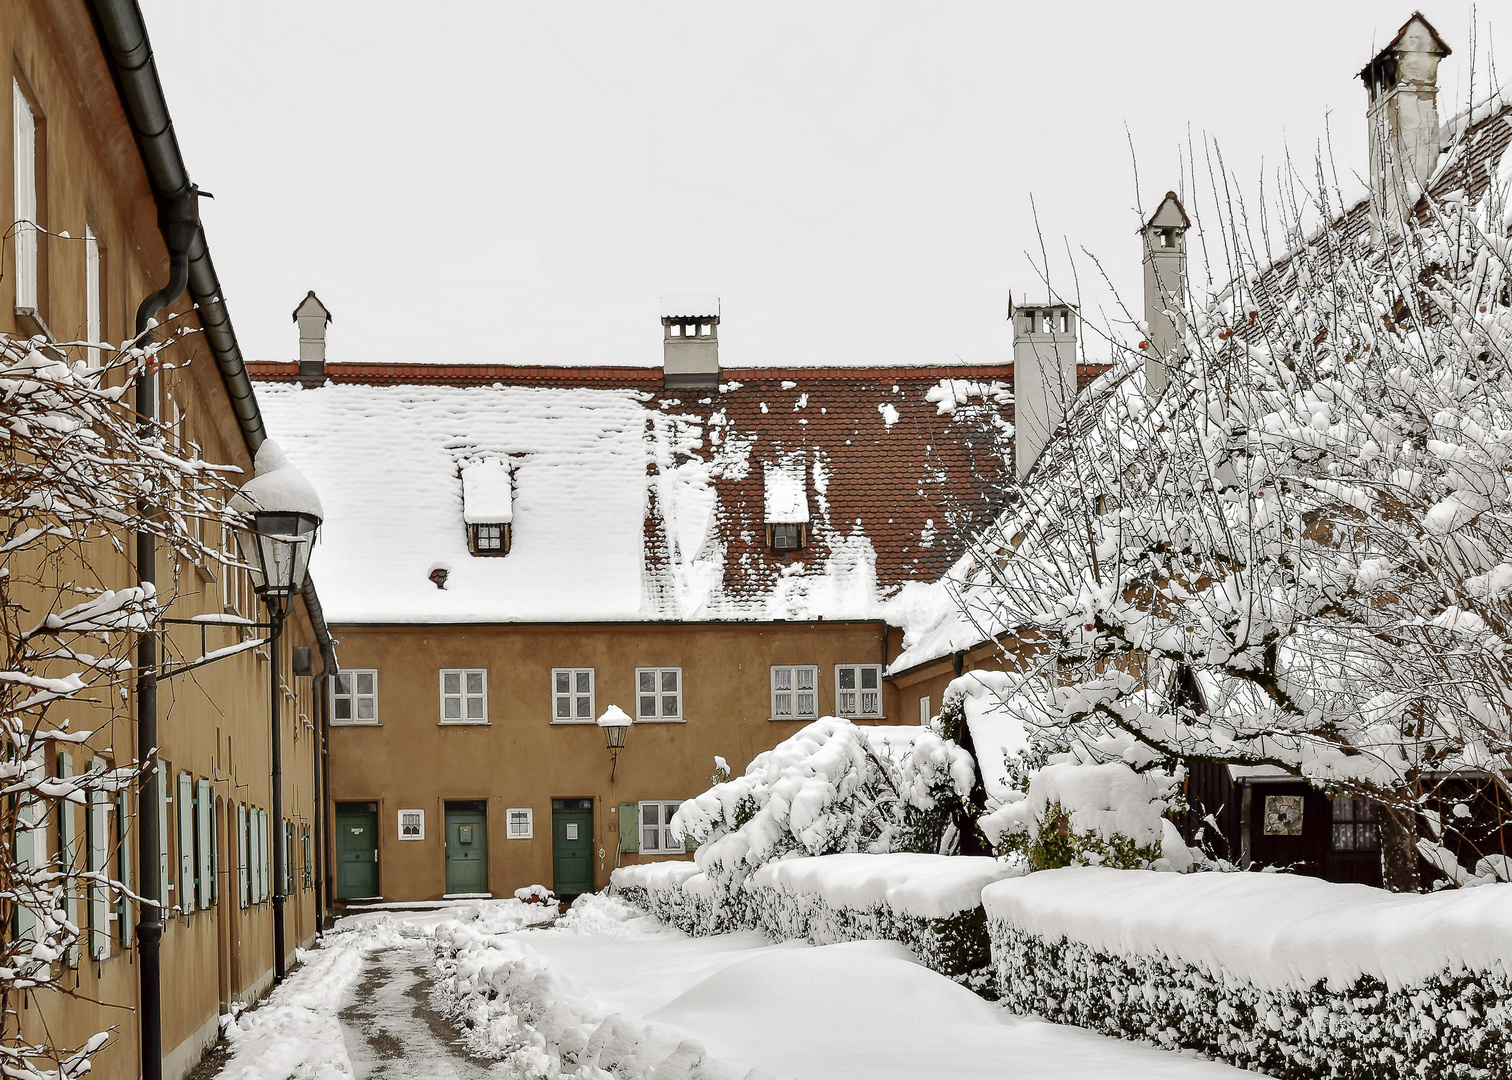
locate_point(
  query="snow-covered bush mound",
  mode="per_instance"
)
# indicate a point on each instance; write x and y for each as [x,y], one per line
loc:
[832,787]
[1290,975]
[931,903]
[1100,815]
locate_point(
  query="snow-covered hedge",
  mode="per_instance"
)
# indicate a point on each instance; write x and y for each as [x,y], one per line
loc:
[931,903]
[1289,975]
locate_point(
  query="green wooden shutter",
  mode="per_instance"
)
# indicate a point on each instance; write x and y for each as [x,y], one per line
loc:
[241,856]
[629,815]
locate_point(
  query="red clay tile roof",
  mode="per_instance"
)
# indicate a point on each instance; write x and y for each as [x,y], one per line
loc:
[912,487]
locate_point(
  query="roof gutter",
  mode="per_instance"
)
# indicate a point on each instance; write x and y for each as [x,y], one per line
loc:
[128,52]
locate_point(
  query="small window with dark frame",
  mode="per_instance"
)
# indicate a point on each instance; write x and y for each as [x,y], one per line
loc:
[787,536]
[489,538]
[1356,825]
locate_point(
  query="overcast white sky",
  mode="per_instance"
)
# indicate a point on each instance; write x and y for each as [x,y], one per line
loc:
[507,183]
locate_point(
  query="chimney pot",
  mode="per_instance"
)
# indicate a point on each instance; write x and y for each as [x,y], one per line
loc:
[1164,238]
[1401,84]
[690,342]
[312,317]
[1044,376]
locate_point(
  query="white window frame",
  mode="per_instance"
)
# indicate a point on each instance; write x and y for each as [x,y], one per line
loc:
[24,240]
[96,824]
[231,574]
[420,820]
[662,717]
[184,799]
[528,831]
[204,833]
[93,288]
[68,839]
[355,697]
[665,809]
[243,862]
[859,711]
[925,713]
[571,696]
[463,696]
[790,709]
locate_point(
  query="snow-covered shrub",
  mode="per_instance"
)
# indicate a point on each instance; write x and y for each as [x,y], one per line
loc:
[831,787]
[1288,975]
[931,903]
[1078,814]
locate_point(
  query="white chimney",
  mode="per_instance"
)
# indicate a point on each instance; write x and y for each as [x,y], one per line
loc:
[690,342]
[1164,238]
[312,317]
[1044,376]
[1402,83]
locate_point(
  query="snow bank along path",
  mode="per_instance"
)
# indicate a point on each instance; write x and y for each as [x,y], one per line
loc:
[609,992]
[925,886]
[1272,930]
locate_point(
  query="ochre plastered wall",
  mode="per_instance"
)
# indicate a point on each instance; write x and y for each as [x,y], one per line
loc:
[409,760]
[213,723]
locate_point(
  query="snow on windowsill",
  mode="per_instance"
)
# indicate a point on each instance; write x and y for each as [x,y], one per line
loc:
[661,720]
[574,723]
[464,723]
[356,723]
[467,896]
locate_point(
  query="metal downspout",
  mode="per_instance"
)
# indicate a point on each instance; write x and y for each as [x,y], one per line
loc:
[122,34]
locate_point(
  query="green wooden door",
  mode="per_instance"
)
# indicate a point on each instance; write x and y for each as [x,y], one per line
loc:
[356,852]
[466,850]
[572,846]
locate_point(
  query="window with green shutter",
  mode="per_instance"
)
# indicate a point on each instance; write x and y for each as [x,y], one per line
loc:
[629,830]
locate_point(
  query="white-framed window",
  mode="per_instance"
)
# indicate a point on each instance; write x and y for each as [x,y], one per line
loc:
[24,239]
[656,827]
[464,695]
[521,821]
[571,695]
[924,711]
[412,824]
[858,689]
[795,693]
[92,296]
[354,697]
[658,693]
[232,593]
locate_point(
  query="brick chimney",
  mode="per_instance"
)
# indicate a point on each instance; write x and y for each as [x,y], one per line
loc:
[312,317]
[690,342]
[1044,376]
[1164,237]
[1405,140]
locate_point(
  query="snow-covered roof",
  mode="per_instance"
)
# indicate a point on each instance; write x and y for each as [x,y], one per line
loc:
[627,501]
[689,305]
[786,500]
[486,494]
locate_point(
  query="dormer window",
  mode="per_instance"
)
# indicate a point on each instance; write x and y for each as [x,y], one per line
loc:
[787,513]
[487,507]
[488,538]
[787,536]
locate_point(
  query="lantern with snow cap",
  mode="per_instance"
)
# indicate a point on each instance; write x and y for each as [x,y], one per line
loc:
[280,516]
[615,722]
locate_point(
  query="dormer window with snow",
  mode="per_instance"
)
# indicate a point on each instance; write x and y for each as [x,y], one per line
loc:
[487,507]
[787,514]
